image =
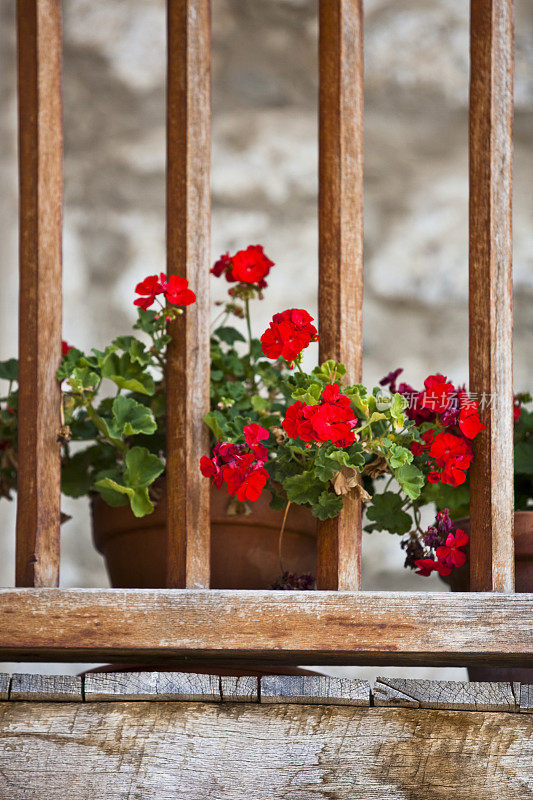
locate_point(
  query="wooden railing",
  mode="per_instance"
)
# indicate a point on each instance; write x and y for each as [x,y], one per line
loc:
[343,626]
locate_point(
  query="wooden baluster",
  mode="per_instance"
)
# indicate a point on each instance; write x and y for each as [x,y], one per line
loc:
[40,159]
[491,357]
[188,255]
[341,246]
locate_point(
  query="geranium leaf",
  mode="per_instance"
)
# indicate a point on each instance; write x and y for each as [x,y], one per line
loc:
[9,369]
[329,505]
[410,479]
[386,512]
[130,417]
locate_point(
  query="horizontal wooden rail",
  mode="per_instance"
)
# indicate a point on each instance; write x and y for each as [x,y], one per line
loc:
[298,627]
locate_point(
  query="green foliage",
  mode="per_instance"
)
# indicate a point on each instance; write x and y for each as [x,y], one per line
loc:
[329,505]
[9,370]
[386,514]
[142,468]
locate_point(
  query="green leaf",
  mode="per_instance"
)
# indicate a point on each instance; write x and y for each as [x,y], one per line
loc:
[139,498]
[83,379]
[9,369]
[309,395]
[146,321]
[129,418]
[214,421]
[397,455]
[303,488]
[410,479]
[329,505]
[229,335]
[398,405]
[259,403]
[523,457]
[142,467]
[328,369]
[329,460]
[455,498]
[127,374]
[134,347]
[385,511]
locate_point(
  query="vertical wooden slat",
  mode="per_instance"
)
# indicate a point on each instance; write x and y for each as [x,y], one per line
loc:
[188,232]
[341,246]
[491,361]
[40,157]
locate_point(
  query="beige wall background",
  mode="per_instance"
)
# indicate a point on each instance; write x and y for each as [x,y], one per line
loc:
[264,188]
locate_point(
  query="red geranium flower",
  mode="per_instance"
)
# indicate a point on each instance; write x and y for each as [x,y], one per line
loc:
[220,266]
[427,437]
[331,420]
[250,265]
[438,394]
[469,422]
[178,293]
[175,289]
[451,555]
[254,434]
[289,333]
[427,565]
[66,348]
[453,456]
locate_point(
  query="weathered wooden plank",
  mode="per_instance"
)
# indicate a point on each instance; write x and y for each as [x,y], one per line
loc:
[187,751]
[239,690]
[188,255]
[5,680]
[46,688]
[526,698]
[137,686]
[340,200]
[314,689]
[40,203]
[451,695]
[384,695]
[290,627]
[491,293]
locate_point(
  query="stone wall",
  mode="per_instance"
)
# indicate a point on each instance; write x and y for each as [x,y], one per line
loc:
[265,184]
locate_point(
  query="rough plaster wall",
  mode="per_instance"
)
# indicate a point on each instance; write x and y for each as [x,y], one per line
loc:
[265,183]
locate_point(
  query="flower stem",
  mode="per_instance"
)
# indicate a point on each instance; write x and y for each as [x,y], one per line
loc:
[281,532]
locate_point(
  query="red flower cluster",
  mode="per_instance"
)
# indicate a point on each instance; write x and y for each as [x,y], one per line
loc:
[246,266]
[66,348]
[288,334]
[331,420]
[447,558]
[175,289]
[453,456]
[440,402]
[242,471]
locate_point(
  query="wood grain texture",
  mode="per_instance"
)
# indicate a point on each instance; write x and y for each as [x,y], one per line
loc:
[316,689]
[244,689]
[491,299]
[45,688]
[526,698]
[155,686]
[40,223]
[340,199]
[193,751]
[280,627]
[188,255]
[451,695]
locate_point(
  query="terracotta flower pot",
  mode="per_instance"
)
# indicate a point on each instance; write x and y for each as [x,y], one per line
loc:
[244,548]
[459,581]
